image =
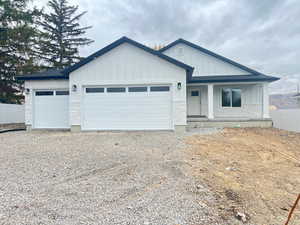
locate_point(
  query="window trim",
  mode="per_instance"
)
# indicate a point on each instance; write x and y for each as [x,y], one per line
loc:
[231,88]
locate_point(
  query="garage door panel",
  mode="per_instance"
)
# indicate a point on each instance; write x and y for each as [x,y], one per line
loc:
[51,111]
[127,111]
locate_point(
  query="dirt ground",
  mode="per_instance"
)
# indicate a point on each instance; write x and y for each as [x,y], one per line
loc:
[252,171]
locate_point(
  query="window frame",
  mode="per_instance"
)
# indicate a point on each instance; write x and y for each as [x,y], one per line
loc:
[109,89]
[88,90]
[138,89]
[44,91]
[66,92]
[231,88]
[156,88]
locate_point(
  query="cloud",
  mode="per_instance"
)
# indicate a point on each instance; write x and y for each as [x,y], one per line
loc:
[262,34]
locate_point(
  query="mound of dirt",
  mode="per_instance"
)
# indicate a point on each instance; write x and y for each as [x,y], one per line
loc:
[254,172]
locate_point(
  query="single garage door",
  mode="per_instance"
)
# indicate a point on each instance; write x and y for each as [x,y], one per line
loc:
[127,108]
[51,109]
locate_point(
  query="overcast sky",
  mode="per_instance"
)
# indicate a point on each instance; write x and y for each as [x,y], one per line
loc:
[262,34]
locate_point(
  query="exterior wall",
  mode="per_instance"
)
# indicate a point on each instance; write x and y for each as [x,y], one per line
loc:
[252,102]
[125,65]
[39,85]
[12,113]
[204,64]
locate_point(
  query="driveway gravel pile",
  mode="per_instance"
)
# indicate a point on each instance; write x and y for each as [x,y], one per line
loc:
[99,178]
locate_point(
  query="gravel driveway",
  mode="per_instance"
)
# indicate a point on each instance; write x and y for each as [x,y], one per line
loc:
[99,178]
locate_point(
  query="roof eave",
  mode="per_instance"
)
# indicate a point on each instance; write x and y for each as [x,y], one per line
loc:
[59,77]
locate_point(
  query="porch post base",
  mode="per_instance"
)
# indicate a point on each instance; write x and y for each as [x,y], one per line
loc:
[28,127]
[75,128]
[180,129]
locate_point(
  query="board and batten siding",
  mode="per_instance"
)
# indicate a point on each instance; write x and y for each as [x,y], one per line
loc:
[252,102]
[34,85]
[204,64]
[128,65]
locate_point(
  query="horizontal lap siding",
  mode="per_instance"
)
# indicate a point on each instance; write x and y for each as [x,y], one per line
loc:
[129,65]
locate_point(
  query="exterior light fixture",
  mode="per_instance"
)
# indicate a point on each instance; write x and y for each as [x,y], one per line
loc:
[27,91]
[74,88]
[179,85]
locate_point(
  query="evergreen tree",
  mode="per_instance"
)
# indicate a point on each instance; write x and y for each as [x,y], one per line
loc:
[61,34]
[17,38]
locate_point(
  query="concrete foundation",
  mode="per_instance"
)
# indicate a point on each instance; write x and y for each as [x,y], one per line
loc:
[28,128]
[75,128]
[180,128]
[234,124]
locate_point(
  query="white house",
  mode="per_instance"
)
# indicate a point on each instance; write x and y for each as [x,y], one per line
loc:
[128,86]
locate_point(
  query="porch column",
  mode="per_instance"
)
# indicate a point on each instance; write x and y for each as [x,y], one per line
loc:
[265,106]
[210,101]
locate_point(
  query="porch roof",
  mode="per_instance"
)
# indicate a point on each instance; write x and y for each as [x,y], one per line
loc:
[232,78]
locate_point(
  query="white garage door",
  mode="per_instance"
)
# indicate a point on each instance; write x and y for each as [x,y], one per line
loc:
[51,109]
[127,108]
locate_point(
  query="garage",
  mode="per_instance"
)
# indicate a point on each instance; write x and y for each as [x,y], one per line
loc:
[51,109]
[135,107]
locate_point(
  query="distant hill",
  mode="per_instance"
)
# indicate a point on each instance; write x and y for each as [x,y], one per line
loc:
[284,101]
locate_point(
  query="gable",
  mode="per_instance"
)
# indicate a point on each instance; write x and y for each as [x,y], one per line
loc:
[127,63]
[203,63]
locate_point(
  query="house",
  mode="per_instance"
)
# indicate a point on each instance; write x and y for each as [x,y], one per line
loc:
[128,86]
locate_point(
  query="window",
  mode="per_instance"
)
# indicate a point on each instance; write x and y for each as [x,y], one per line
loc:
[137,89]
[43,93]
[62,92]
[116,89]
[194,93]
[160,88]
[94,90]
[231,97]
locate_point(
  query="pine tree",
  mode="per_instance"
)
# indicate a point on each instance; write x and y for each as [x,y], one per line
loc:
[61,35]
[17,38]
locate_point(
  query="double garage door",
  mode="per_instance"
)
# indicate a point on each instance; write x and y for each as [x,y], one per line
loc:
[127,108]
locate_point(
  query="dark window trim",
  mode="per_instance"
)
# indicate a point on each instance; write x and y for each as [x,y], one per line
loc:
[62,92]
[138,89]
[116,89]
[230,88]
[91,90]
[44,93]
[159,89]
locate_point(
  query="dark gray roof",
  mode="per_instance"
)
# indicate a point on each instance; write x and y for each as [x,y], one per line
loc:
[232,78]
[44,75]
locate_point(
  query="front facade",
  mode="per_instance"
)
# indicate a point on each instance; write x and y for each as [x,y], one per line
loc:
[127,86]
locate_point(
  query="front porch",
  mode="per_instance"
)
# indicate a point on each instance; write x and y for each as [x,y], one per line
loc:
[228,105]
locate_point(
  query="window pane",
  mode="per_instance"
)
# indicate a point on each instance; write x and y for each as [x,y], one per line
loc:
[43,93]
[195,93]
[160,88]
[137,89]
[236,98]
[226,97]
[62,92]
[94,90]
[116,89]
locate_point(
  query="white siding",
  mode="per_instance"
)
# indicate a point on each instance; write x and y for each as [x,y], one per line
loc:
[252,102]
[11,113]
[204,64]
[125,65]
[40,85]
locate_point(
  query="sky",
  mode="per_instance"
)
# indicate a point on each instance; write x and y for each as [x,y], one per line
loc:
[261,34]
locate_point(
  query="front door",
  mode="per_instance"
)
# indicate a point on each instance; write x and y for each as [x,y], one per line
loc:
[193,102]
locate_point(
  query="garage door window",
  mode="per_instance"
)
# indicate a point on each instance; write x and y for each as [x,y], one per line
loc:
[160,88]
[43,93]
[137,89]
[94,90]
[62,92]
[116,89]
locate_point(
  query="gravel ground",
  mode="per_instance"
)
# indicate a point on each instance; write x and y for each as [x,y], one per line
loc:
[99,178]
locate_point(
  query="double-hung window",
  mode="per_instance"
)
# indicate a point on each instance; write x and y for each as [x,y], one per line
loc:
[231,97]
